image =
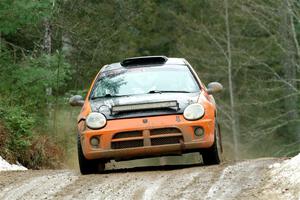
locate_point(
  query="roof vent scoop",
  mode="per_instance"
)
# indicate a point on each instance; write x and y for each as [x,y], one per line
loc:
[146,60]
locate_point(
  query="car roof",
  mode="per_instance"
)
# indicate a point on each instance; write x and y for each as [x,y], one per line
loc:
[166,61]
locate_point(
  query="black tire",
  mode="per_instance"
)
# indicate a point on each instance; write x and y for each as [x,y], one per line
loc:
[88,166]
[213,155]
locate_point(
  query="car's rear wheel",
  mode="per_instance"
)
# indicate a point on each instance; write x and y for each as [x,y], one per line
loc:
[88,166]
[213,155]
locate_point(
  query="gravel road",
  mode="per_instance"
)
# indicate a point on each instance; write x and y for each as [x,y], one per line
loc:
[243,180]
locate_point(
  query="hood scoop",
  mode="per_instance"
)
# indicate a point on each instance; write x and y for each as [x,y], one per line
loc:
[145,106]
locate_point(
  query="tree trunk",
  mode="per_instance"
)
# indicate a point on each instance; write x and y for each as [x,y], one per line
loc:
[0,44]
[234,122]
[290,61]
[47,37]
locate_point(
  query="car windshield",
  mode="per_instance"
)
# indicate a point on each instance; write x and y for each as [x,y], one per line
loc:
[143,80]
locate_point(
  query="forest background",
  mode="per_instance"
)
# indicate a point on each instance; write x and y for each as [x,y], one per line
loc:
[51,49]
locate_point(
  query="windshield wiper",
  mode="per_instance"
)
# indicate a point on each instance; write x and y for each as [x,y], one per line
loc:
[107,95]
[167,91]
[150,92]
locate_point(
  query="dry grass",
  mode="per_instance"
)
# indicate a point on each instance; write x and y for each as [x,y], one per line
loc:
[44,154]
[41,154]
[4,152]
[2,136]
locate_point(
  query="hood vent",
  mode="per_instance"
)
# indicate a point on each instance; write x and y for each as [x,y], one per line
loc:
[146,60]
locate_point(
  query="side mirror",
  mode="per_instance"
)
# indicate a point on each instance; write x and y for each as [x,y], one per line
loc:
[214,87]
[76,100]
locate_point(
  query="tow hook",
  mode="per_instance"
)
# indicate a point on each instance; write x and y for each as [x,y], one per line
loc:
[182,145]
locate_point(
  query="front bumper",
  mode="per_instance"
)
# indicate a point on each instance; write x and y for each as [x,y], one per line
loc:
[146,137]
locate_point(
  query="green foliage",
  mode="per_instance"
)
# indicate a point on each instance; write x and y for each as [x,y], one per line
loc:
[15,14]
[23,144]
[30,80]
[23,101]
[19,125]
[26,83]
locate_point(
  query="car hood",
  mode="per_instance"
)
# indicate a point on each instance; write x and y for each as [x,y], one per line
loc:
[105,104]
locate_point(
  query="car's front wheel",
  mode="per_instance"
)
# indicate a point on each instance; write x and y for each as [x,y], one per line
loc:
[213,155]
[88,166]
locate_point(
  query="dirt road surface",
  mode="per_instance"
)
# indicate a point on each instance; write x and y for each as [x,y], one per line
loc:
[243,180]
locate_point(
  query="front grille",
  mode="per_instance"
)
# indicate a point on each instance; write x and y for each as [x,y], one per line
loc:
[159,136]
[166,140]
[161,131]
[127,144]
[128,134]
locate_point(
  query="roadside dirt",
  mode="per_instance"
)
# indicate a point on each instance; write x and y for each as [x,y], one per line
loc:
[242,180]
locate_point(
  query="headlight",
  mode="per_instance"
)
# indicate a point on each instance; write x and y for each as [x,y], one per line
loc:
[193,112]
[95,120]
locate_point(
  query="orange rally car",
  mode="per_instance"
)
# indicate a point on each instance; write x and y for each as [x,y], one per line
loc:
[144,107]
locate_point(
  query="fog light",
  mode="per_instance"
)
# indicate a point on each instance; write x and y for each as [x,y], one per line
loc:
[95,141]
[199,132]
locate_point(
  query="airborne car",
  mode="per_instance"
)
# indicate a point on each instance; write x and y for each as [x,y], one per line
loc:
[145,107]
